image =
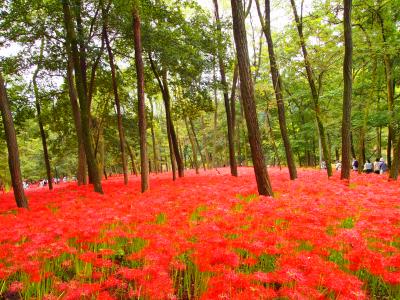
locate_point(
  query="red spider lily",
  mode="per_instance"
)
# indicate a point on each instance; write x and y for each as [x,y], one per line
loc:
[207,230]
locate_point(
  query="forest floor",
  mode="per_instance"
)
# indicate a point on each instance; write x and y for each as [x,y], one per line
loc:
[205,236]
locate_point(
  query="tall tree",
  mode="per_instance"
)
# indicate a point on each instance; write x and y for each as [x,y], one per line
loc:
[221,53]
[12,146]
[39,117]
[115,90]
[81,172]
[247,94]
[153,139]
[277,83]
[144,166]
[314,91]
[390,85]
[162,81]
[347,90]
[78,58]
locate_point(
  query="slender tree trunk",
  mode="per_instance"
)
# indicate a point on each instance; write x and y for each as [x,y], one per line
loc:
[116,98]
[206,154]
[247,93]
[174,139]
[171,154]
[40,120]
[81,172]
[214,153]
[277,83]
[314,92]
[192,143]
[12,146]
[133,157]
[203,161]
[272,136]
[144,167]
[221,54]
[388,63]
[153,139]
[347,91]
[72,45]
[394,170]
[101,150]
[163,84]
[233,99]
[352,149]
[390,97]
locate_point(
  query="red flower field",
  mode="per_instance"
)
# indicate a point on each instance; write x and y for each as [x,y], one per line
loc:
[205,236]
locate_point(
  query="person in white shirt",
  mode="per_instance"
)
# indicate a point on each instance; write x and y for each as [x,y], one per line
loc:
[368,168]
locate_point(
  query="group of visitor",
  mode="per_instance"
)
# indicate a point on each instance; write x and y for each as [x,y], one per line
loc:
[379,166]
[42,182]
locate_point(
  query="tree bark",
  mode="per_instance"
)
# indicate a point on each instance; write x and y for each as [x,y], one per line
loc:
[394,170]
[215,133]
[133,157]
[141,100]
[221,53]
[153,139]
[388,63]
[192,143]
[314,92]
[81,172]
[116,97]
[171,154]
[233,98]
[247,93]
[271,135]
[277,84]
[12,146]
[347,91]
[163,84]
[40,120]
[203,161]
[204,138]
[80,81]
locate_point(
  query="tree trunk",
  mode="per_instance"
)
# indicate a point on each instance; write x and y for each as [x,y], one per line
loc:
[12,146]
[314,93]
[203,161]
[153,139]
[271,135]
[388,63]
[81,172]
[215,133]
[394,170]
[192,143]
[221,54]
[174,139]
[144,167]
[247,93]
[171,154]
[133,157]
[233,99]
[277,83]
[40,120]
[163,84]
[72,45]
[116,98]
[204,138]
[347,91]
